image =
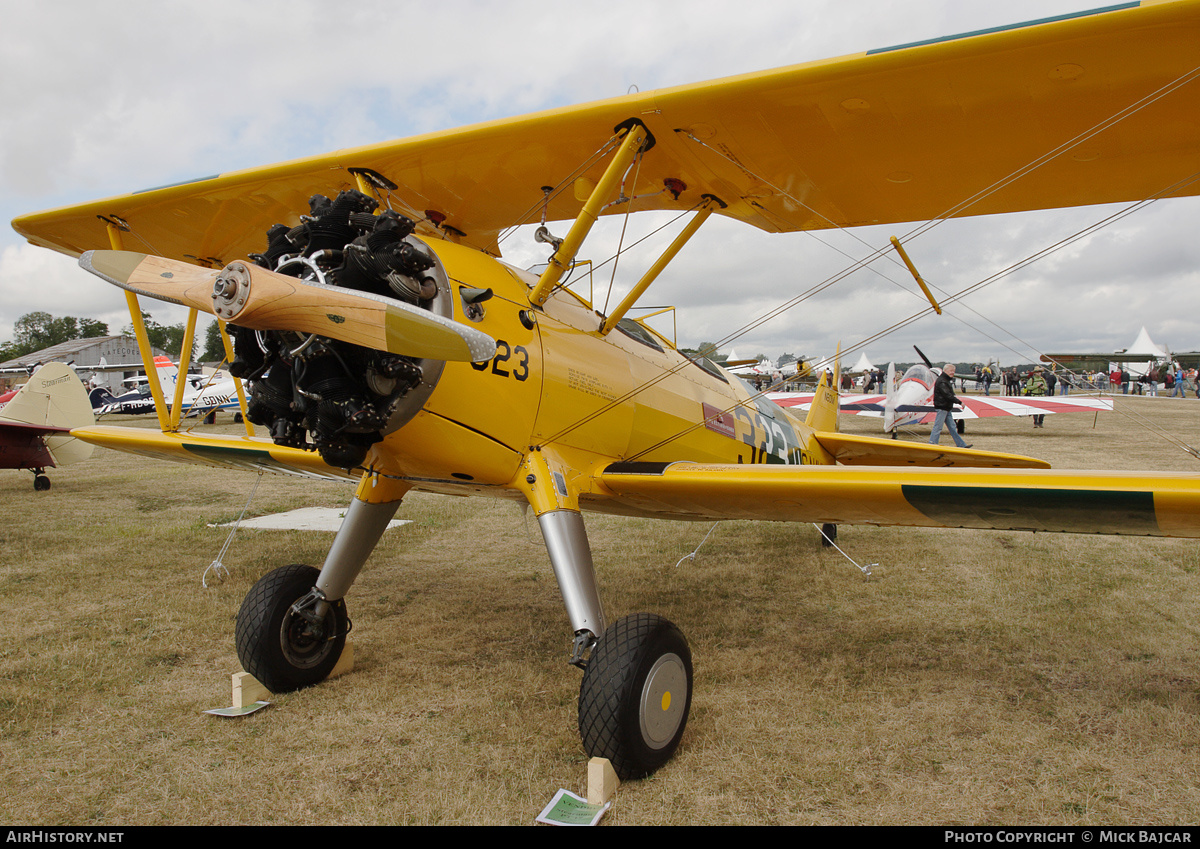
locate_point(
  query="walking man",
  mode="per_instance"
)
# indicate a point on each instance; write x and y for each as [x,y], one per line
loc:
[944,400]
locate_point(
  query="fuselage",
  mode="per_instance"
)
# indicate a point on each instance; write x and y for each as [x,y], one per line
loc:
[23,449]
[221,395]
[557,381]
[915,390]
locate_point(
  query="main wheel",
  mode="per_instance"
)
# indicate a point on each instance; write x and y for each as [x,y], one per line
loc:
[636,694]
[281,649]
[41,483]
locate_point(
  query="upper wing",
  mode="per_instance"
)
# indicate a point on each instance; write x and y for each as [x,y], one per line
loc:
[1159,504]
[898,134]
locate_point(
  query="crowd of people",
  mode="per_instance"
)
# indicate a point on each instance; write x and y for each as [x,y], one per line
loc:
[1172,380]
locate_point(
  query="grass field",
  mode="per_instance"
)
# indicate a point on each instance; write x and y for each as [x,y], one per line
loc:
[975,678]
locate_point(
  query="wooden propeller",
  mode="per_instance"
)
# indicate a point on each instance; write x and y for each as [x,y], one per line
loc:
[259,299]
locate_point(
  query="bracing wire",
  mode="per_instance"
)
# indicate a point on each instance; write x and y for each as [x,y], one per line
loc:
[924,228]
[218,565]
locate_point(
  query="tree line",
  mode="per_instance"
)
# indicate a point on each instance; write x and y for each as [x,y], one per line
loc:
[37,330]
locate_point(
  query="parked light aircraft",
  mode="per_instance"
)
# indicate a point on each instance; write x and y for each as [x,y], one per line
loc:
[387,343]
[36,420]
[765,370]
[201,396]
[910,402]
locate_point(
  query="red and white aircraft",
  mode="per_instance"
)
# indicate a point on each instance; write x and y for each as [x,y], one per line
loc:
[910,402]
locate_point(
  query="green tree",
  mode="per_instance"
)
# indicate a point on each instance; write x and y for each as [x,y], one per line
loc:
[167,337]
[37,330]
[214,348]
[707,350]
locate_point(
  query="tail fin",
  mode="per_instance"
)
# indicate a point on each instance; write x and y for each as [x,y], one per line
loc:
[167,372]
[823,414]
[54,398]
[99,397]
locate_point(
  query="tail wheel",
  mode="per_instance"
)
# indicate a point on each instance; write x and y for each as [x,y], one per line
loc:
[636,694]
[281,648]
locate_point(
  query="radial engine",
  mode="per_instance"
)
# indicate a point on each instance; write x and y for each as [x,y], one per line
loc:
[312,392]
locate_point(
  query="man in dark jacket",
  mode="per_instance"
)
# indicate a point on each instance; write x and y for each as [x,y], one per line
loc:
[944,400]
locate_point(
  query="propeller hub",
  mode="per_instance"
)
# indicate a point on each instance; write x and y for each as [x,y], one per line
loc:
[230,290]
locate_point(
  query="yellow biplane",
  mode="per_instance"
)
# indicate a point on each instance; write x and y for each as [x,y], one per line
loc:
[383,340]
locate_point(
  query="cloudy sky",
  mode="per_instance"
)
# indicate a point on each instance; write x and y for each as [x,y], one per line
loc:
[105,99]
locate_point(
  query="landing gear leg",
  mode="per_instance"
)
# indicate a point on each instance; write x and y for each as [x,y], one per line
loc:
[571,556]
[637,684]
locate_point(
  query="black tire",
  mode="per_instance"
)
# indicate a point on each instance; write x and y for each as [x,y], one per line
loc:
[237,418]
[828,534]
[41,483]
[636,694]
[279,648]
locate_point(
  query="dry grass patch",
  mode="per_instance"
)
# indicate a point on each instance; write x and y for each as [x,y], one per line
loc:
[975,678]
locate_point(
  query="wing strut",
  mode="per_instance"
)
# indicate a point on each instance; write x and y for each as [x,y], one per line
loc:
[139,331]
[913,270]
[707,207]
[227,344]
[637,138]
[181,376]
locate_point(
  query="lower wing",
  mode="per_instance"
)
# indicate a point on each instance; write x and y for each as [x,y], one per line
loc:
[239,452]
[1135,503]
[973,406]
[982,407]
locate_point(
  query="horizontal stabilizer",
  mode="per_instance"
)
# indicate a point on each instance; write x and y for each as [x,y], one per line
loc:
[854,450]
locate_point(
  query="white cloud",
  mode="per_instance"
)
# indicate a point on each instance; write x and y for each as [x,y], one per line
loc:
[114,99]
[37,280]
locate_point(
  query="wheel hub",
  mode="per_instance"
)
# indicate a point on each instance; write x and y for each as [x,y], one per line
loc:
[304,643]
[663,705]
